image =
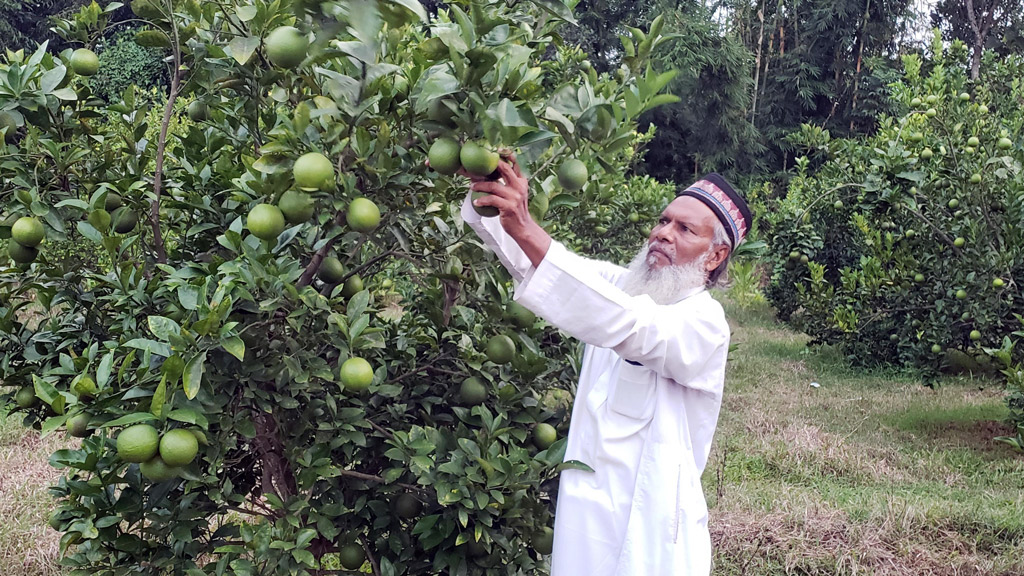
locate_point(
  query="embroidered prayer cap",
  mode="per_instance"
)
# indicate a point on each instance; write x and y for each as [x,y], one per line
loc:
[730,208]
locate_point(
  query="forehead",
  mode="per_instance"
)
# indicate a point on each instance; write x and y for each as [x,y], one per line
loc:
[691,210]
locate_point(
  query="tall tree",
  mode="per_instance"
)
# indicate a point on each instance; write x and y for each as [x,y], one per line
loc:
[982,25]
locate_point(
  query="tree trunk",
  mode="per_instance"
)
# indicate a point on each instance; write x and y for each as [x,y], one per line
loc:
[757,63]
[860,59]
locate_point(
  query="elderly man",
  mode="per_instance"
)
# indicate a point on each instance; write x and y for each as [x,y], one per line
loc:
[651,382]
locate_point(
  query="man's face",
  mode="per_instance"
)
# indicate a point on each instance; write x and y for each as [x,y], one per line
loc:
[683,234]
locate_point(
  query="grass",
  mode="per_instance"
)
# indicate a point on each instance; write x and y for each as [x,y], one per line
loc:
[28,546]
[869,473]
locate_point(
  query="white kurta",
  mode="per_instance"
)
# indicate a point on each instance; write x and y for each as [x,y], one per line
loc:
[645,430]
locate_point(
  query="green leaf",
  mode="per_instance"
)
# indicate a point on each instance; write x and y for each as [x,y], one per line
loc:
[188,416]
[152,346]
[133,418]
[159,397]
[574,465]
[242,48]
[193,376]
[103,372]
[661,100]
[163,328]
[558,8]
[304,557]
[89,232]
[437,82]
[246,13]
[235,346]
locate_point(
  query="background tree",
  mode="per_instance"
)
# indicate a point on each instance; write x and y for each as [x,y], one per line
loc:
[983,25]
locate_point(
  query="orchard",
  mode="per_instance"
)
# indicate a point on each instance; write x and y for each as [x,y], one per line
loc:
[282,349]
[905,248]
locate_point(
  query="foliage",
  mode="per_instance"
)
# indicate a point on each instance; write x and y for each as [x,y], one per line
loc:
[924,247]
[708,130]
[190,322]
[124,63]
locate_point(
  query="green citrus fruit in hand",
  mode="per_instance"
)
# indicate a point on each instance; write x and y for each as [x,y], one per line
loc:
[100,219]
[408,506]
[178,447]
[265,221]
[286,47]
[125,220]
[156,470]
[975,335]
[28,231]
[959,242]
[573,174]
[331,270]
[21,254]
[478,160]
[25,397]
[544,435]
[78,426]
[313,171]
[544,541]
[444,156]
[485,211]
[1004,143]
[138,443]
[353,286]
[501,349]
[297,207]
[363,215]
[472,391]
[84,62]
[356,374]
[351,556]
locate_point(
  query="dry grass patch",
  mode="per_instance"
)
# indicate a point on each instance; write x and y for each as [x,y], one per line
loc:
[28,546]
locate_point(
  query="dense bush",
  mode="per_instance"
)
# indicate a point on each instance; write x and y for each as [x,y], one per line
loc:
[906,248]
[197,325]
[125,63]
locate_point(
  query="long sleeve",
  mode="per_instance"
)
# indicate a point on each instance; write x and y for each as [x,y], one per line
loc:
[676,341]
[512,256]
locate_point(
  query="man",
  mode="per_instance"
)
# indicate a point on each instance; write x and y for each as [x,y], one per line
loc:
[651,381]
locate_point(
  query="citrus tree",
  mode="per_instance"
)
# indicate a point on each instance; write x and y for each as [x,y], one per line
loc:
[905,248]
[289,353]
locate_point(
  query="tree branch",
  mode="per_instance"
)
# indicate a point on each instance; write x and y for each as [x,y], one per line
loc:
[369,555]
[314,263]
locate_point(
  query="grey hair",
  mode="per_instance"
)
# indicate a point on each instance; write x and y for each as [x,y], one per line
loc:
[719,276]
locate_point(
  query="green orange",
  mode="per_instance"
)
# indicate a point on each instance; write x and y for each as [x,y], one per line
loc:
[265,221]
[138,443]
[356,374]
[178,447]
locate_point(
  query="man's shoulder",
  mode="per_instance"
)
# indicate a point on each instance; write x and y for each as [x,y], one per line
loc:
[704,303]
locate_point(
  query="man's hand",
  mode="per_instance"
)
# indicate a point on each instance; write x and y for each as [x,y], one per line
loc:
[510,194]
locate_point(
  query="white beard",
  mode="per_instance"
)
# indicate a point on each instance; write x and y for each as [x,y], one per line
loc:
[667,284]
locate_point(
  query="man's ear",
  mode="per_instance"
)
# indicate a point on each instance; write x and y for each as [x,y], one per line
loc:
[718,255]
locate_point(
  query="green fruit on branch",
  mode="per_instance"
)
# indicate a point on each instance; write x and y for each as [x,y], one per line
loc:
[313,171]
[356,374]
[973,142]
[573,175]
[84,62]
[544,435]
[1004,143]
[959,242]
[112,201]
[501,349]
[286,47]
[544,541]
[28,231]
[331,270]
[472,391]
[363,215]
[156,470]
[353,286]
[125,220]
[138,443]
[351,556]
[21,254]
[265,221]
[25,397]
[198,111]
[297,207]
[178,447]
[78,426]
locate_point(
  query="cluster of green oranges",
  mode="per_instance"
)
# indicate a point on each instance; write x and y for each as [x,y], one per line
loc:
[447,156]
[160,457]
